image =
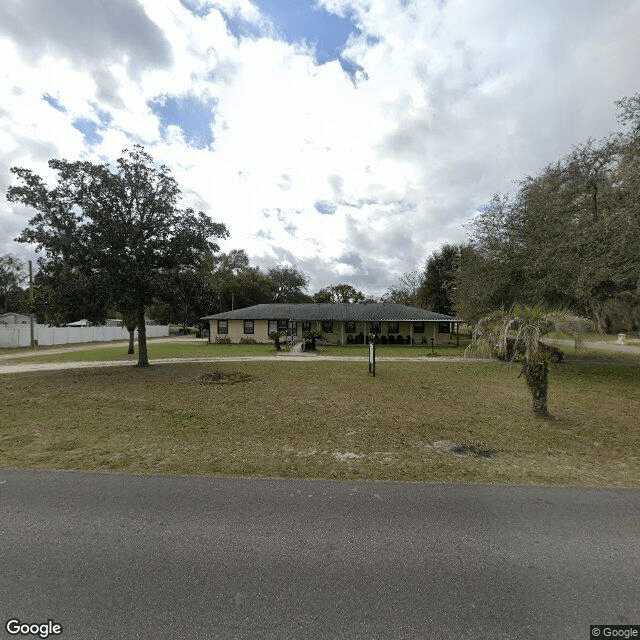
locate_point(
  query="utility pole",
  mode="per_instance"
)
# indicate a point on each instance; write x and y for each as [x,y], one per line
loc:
[33,342]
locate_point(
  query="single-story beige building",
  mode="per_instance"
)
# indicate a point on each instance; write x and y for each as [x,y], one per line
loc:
[339,323]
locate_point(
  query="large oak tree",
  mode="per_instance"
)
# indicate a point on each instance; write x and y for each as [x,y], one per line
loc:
[119,228]
[568,237]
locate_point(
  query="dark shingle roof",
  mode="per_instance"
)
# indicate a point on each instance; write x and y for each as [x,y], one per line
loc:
[365,311]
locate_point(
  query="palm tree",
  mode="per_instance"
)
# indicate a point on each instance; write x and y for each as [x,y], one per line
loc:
[517,333]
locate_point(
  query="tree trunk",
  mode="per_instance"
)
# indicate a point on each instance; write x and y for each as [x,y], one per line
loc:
[143,359]
[537,376]
[540,402]
[130,319]
[131,340]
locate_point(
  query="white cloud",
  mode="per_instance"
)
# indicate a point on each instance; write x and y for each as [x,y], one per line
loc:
[461,98]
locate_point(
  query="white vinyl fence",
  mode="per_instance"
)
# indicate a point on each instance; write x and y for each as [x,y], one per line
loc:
[20,335]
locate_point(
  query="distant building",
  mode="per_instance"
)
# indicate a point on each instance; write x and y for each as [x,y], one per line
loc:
[14,318]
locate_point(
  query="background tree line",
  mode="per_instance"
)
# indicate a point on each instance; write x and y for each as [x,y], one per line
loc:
[568,237]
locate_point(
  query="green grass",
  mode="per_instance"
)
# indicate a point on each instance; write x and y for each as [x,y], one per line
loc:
[593,336]
[155,350]
[610,356]
[401,351]
[327,419]
[203,350]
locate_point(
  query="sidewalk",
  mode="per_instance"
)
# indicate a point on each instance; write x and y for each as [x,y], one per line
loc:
[297,352]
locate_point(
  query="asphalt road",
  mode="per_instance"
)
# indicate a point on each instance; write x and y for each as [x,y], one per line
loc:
[117,556]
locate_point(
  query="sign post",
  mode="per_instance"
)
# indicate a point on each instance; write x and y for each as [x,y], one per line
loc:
[372,355]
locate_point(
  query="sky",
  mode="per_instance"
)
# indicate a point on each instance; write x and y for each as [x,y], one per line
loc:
[348,138]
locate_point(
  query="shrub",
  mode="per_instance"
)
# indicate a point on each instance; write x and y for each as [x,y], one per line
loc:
[247,341]
[310,339]
[223,340]
[275,336]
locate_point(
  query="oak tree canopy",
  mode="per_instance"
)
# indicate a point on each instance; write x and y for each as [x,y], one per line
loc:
[117,230]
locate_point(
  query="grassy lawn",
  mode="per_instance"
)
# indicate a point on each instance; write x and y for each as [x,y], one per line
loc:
[395,351]
[610,356]
[155,350]
[327,419]
[203,350]
[595,336]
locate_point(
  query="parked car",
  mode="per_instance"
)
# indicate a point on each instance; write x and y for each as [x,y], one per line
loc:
[555,354]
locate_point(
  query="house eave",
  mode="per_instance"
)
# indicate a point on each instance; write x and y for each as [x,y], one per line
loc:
[334,312]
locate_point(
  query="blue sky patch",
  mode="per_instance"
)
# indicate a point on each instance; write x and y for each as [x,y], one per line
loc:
[239,27]
[89,129]
[301,21]
[104,116]
[324,207]
[194,117]
[200,9]
[355,71]
[53,102]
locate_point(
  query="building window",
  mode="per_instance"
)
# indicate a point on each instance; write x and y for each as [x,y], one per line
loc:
[306,326]
[444,327]
[350,327]
[283,325]
[394,327]
[374,327]
[248,326]
[418,327]
[327,327]
[223,326]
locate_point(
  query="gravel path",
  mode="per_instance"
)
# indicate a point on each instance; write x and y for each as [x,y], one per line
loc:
[8,369]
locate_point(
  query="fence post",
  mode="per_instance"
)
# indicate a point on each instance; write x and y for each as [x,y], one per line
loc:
[33,342]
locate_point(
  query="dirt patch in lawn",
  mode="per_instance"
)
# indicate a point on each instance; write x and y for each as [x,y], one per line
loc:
[217,377]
